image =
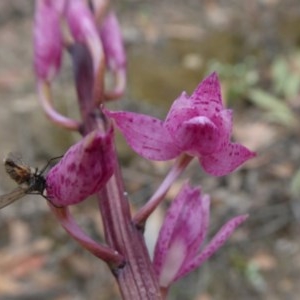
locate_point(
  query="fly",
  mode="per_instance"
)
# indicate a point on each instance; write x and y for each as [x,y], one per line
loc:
[30,180]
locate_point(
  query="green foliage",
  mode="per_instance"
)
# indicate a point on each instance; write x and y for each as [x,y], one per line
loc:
[285,73]
[276,109]
[255,277]
[242,81]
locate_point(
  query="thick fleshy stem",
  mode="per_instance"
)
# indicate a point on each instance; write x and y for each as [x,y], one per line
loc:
[96,52]
[109,255]
[136,279]
[45,99]
[179,166]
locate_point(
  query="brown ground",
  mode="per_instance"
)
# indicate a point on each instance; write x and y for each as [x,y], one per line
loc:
[170,45]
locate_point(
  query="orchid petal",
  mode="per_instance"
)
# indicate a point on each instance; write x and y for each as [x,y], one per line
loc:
[202,136]
[226,160]
[203,219]
[189,226]
[207,96]
[198,135]
[145,135]
[47,40]
[168,228]
[181,110]
[113,45]
[216,243]
[182,233]
[223,121]
[172,263]
[82,171]
[81,21]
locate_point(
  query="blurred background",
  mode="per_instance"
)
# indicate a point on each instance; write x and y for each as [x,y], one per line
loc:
[171,46]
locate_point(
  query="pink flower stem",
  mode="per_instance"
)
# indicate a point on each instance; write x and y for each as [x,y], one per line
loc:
[96,51]
[179,166]
[112,257]
[45,98]
[136,278]
[120,85]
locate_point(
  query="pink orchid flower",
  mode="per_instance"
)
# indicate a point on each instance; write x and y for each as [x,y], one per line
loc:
[82,171]
[198,125]
[182,234]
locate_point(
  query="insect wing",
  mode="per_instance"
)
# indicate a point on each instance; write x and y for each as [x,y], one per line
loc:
[16,168]
[16,157]
[12,196]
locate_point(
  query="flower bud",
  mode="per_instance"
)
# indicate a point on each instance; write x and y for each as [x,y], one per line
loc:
[177,251]
[80,20]
[111,37]
[47,39]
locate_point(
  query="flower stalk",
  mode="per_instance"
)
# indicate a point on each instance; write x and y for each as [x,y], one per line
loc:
[136,279]
[179,166]
[45,98]
[109,255]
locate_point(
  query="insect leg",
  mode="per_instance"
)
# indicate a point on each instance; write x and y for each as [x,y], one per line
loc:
[48,163]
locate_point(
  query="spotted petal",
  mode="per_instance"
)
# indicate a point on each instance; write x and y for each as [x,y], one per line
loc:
[146,135]
[207,96]
[82,171]
[182,233]
[227,160]
[216,243]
